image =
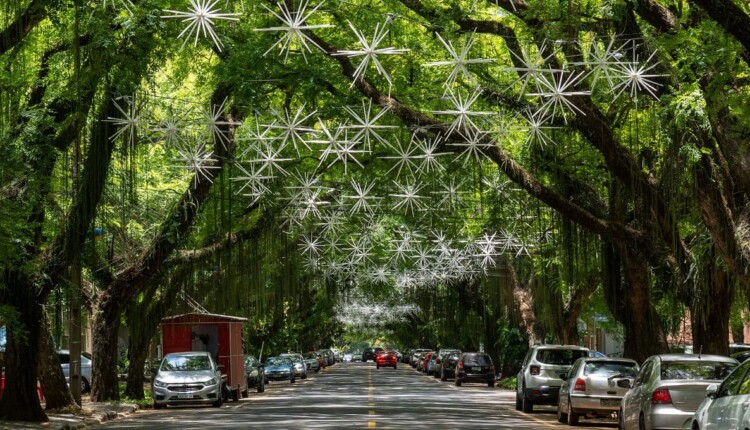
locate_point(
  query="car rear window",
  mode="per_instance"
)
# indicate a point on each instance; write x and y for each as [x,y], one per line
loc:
[609,368]
[698,370]
[560,356]
[477,360]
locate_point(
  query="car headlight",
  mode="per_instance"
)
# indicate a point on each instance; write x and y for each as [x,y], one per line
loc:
[212,381]
[158,383]
[254,373]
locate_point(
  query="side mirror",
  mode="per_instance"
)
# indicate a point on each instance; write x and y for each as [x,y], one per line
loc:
[624,383]
[220,367]
[712,391]
[564,376]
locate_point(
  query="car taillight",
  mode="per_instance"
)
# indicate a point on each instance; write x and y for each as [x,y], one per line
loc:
[661,396]
[491,369]
[535,370]
[460,366]
[580,385]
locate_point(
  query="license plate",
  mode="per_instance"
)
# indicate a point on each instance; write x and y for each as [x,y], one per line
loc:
[184,396]
[476,368]
[610,402]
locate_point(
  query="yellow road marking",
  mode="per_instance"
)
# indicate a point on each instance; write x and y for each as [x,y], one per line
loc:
[371,424]
[372,412]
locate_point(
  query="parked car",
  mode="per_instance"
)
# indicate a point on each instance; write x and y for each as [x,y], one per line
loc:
[330,356]
[370,354]
[439,357]
[64,356]
[312,362]
[424,359]
[254,371]
[431,364]
[279,369]
[669,388]
[725,405]
[539,378]
[300,367]
[187,378]
[386,358]
[448,365]
[741,356]
[475,367]
[357,355]
[416,354]
[347,356]
[594,387]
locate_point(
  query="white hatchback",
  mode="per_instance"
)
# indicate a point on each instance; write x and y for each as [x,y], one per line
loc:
[726,405]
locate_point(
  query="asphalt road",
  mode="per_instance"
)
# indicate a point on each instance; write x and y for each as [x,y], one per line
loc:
[357,395]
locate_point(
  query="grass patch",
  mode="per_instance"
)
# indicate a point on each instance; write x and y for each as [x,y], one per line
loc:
[509,383]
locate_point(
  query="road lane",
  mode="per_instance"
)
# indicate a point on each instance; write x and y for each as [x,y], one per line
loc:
[357,395]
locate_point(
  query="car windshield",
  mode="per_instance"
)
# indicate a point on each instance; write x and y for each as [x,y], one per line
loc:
[609,368]
[250,361]
[698,370]
[560,356]
[278,361]
[185,363]
[477,360]
[309,355]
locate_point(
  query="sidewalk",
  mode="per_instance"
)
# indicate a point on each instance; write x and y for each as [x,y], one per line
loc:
[93,413]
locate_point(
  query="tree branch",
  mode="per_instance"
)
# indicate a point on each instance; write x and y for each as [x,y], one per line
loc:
[15,32]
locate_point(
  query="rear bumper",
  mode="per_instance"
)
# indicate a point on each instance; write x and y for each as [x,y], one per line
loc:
[601,405]
[666,417]
[543,394]
[475,377]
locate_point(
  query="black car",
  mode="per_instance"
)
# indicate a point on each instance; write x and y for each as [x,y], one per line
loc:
[448,366]
[254,373]
[370,354]
[475,367]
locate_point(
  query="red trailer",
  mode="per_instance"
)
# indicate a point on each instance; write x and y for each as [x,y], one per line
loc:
[221,335]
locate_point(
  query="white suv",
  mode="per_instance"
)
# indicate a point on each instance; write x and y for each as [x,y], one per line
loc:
[539,379]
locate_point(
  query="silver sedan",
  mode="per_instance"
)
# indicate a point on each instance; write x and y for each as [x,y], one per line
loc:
[669,388]
[187,377]
[594,387]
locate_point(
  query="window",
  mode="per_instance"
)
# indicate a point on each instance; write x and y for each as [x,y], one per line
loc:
[695,370]
[608,368]
[645,373]
[731,385]
[560,356]
[186,363]
[477,360]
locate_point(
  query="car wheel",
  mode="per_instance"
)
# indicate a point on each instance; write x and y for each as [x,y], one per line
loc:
[262,386]
[491,384]
[572,416]
[641,422]
[377,366]
[304,376]
[458,382]
[159,406]
[85,386]
[244,394]
[218,403]
[561,417]
[526,404]
[518,401]
[236,395]
[293,381]
[620,422]
[442,376]
[395,367]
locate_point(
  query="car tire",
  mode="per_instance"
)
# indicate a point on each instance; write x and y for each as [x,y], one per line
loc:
[85,386]
[572,416]
[236,395]
[395,367]
[442,376]
[304,376]
[377,366]
[262,386]
[620,423]
[641,422]
[218,403]
[518,401]
[245,394]
[458,382]
[491,384]
[561,416]
[159,406]
[293,381]
[526,404]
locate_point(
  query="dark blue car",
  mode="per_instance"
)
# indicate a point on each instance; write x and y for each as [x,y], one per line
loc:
[279,369]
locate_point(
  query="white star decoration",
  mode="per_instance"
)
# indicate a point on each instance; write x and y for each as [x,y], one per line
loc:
[458,61]
[294,28]
[201,16]
[370,52]
[196,160]
[129,122]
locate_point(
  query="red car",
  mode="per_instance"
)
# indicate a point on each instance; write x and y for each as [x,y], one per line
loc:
[386,358]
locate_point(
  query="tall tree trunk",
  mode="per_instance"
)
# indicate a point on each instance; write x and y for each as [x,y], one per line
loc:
[51,375]
[104,384]
[644,331]
[710,311]
[20,401]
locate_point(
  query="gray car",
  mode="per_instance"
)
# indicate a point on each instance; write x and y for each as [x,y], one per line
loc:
[539,378]
[594,387]
[187,378]
[300,367]
[64,356]
[669,388]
